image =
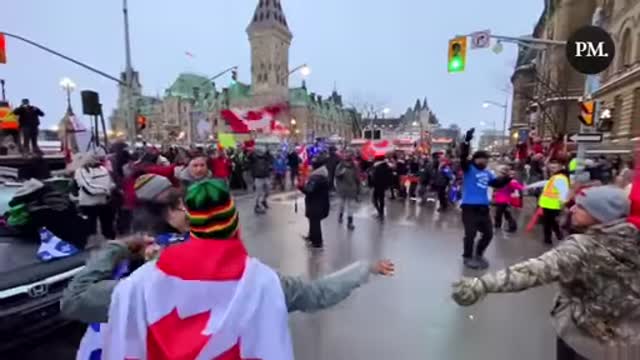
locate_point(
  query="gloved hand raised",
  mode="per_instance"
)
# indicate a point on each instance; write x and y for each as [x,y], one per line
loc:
[469,135]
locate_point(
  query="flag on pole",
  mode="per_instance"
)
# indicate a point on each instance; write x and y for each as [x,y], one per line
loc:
[189,54]
[228,307]
[3,50]
[246,121]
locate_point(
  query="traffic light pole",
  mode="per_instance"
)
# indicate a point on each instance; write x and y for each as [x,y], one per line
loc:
[592,84]
[130,111]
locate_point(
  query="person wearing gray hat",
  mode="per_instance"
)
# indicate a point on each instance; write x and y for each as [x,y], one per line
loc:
[597,310]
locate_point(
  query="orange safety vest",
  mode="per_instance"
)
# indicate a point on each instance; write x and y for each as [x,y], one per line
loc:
[550,198]
[8,120]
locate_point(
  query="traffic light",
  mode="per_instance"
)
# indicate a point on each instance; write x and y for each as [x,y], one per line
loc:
[141,121]
[586,112]
[605,121]
[234,76]
[457,54]
[3,50]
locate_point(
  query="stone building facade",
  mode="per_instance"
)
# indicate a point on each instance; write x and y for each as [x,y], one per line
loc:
[619,92]
[545,80]
[189,111]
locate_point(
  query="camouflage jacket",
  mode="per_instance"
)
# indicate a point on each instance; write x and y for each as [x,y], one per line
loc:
[599,277]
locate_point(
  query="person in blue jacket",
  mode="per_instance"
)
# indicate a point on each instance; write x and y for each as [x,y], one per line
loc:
[476,216]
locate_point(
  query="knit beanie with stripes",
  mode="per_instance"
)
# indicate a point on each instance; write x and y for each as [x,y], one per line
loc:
[211,210]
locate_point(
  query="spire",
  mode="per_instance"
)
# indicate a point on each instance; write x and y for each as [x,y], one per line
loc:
[418,106]
[425,106]
[269,15]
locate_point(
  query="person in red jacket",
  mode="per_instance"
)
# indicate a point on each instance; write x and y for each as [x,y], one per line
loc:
[221,166]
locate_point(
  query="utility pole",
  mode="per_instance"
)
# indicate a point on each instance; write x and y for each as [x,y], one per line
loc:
[592,84]
[4,97]
[130,117]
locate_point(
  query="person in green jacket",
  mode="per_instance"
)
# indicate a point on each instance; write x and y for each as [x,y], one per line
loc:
[88,296]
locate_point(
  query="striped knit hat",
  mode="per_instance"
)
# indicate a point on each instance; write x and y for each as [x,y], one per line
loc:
[149,186]
[212,211]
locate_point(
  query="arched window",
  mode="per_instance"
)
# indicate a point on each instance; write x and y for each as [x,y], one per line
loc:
[625,50]
[268,14]
[638,47]
[261,16]
[261,3]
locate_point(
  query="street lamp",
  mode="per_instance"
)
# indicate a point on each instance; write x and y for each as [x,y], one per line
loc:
[293,122]
[305,70]
[68,86]
[505,107]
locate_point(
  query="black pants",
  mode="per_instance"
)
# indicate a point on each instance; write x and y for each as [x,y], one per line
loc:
[378,200]
[315,232]
[476,218]
[30,139]
[442,198]
[565,352]
[103,213]
[502,210]
[550,224]
[293,174]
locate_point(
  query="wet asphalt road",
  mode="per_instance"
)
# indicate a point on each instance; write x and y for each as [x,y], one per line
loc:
[410,316]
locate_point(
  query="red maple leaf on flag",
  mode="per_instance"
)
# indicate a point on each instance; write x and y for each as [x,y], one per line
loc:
[233,354]
[174,338]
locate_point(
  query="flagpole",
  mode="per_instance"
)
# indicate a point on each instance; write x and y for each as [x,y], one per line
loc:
[130,110]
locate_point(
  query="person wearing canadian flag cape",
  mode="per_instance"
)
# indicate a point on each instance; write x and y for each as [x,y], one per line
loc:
[205,298]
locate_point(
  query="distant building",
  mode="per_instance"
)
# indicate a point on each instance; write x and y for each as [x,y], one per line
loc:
[416,119]
[189,110]
[491,140]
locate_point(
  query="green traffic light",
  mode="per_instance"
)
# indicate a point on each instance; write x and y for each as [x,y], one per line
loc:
[456,65]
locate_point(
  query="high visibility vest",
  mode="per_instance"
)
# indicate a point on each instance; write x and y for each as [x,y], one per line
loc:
[550,198]
[573,165]
[8,121]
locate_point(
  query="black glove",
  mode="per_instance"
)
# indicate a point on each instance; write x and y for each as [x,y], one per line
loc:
[469,135]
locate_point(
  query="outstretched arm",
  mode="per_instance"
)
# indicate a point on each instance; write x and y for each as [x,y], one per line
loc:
[465,148]
[329,290]
[565,259]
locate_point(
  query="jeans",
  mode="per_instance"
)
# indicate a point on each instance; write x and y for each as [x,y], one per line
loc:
[347,203]
[315,232]
[476,218]
[550,224]
[442,198]
[262,190]
[378,200]
[502,210]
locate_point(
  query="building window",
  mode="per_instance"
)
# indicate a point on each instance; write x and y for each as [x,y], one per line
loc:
[618,103]
[261,3]
[638,47]
[635,113]
[625,50]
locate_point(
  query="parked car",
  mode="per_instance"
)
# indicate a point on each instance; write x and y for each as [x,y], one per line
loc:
[30,290]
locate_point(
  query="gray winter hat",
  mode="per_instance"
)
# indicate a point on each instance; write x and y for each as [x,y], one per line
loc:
[149,186]
[604,203]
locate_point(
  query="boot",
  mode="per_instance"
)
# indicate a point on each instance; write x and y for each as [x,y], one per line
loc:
[264,204]
[350,225]
[340,218]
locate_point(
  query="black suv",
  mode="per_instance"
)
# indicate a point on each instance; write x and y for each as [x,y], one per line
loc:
[30,290]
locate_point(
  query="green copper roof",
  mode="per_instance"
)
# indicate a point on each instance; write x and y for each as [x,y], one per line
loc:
[187,84]
[238,90]
[299,97]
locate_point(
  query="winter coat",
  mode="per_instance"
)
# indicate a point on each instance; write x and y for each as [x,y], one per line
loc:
[220,167]
[597,310]
[503,195]
[332,164]
[381,175]
[261,164]
[347,180]
[88,296]
[316,192]
[95,185]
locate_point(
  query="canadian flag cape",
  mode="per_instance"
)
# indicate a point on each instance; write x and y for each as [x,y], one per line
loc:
[204,300]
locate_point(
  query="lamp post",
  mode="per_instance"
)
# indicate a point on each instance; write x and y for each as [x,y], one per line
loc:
[4,97]
[68,86]
[305,70]
[505,107]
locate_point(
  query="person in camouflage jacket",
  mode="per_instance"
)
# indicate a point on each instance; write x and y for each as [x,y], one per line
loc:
[597,310]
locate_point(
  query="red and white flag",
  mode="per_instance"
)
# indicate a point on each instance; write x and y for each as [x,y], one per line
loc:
[228,307]
[244,121]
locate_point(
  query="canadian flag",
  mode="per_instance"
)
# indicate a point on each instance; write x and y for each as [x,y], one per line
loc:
[379,148]
[244,121]
[230,307]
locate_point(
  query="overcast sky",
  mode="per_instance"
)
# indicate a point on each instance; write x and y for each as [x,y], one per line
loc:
[384,52]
